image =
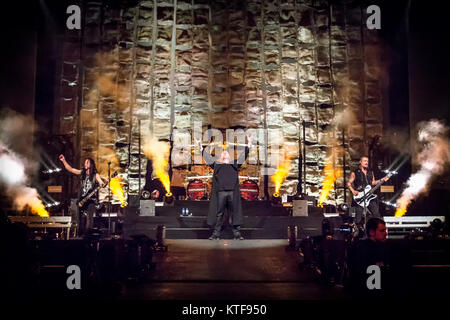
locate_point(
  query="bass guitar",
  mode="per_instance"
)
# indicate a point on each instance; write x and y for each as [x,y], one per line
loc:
[94,191]
[364,197]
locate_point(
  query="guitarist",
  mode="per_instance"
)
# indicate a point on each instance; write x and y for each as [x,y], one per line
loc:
[359,179]
[89,180]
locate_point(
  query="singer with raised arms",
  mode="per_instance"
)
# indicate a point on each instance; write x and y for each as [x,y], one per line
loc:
[225,191]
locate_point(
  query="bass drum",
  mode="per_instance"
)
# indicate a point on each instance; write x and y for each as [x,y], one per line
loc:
[249,190]
[196,190]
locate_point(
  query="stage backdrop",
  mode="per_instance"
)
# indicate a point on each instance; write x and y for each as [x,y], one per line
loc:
[251,63]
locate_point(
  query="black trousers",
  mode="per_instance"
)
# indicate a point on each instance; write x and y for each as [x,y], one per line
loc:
[372,211]
[87,217]
[224,201]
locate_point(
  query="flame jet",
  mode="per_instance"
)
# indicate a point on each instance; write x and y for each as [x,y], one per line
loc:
[158,152]
[433,159]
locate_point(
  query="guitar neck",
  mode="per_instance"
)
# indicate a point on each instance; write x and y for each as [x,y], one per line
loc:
[379,184]
[99,187]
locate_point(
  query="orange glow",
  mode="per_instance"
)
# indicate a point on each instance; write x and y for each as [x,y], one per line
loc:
[158,152]
[116,188]
[29,198]
[39,209]
[331,174]
[401,207]
[280,175]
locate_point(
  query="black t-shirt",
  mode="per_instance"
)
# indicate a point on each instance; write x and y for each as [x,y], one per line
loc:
[87,183]
[362,180]
[227,176]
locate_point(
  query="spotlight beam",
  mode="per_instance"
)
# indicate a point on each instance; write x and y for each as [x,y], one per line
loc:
[402,159]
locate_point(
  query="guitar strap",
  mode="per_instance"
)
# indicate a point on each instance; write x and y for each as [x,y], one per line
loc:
[84,185]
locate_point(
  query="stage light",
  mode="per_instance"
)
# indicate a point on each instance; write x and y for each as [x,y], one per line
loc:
[155,194]
[145,194]
[390,204]
[52,204]
[169,199]
[276,200]
[393,172]
[49,171]
[343,207]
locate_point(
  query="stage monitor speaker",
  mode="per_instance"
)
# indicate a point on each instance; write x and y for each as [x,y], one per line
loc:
[300,208]
[147,208]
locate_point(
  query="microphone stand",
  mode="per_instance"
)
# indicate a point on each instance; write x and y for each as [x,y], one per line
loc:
[365,209]
[109,199]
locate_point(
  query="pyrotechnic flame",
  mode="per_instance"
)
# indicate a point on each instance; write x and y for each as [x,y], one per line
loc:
[331,174]
[281,174]
[158,152]
[432,160]
[28,197]
[116,189]
[12,174]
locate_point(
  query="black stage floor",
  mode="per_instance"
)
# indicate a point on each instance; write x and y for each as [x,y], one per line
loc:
[261,221]
[231,270]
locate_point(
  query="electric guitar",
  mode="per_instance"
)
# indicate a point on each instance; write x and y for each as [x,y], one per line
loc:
[364,197]
[94,191]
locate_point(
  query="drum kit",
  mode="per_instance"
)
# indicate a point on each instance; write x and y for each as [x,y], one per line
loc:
[199,187]
[198,184]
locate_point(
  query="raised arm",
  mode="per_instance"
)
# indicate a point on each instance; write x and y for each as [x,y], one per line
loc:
[241,159]
[208,158]
[68,167]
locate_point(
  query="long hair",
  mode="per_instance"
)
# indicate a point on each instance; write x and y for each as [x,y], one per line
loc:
[93,169]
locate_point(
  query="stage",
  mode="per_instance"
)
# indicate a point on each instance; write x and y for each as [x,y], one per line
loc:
[261,221]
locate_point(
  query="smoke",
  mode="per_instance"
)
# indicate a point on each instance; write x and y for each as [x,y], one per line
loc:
[344,118]
[398,140]
[105,87]
[107,154]
[14,178]
[433,159]
[16,135]
[158,152]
